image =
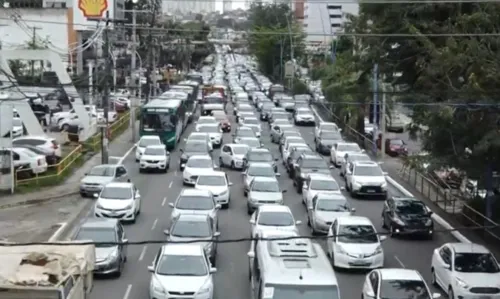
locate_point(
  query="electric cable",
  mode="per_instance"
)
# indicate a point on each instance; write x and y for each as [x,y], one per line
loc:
[247,239]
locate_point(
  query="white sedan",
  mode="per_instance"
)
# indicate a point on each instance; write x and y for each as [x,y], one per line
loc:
[273,217]
[144,142]
[217,183]
[197,165]
[338,151]
[316,183]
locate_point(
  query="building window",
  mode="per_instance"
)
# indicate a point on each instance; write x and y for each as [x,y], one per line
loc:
[335,16]
[334,7]
[336,25]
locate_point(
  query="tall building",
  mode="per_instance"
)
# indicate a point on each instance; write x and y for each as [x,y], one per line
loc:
[227,6]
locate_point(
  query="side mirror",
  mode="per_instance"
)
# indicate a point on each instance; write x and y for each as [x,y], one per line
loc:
[370,294]
[284,191]
[125,241]
[252,221]
[342,188]
[251,254]
[137,195]
[383,238]
[151,269]
[276,159]
[436,295]
[230,184]
[331,166]
[278,174]
[170,204]
[218,207]
[166,232]
[298,222]
[213,270]
[217,234]
[353,210]
[96,195]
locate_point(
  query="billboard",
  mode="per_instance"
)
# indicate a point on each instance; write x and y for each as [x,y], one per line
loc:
[83,10]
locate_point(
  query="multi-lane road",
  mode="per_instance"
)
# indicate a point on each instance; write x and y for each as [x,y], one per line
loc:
[231,279]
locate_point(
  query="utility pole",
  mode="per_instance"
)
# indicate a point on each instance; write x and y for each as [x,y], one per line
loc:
[375,102]
[382,122]
[133,72]
[151,65]
[33,46]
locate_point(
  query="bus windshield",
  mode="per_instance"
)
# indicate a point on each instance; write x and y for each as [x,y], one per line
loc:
[279,291]
[158,121]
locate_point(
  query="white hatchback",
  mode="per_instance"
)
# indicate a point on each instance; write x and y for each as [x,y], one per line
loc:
[217,183]
[195,166]
[144,142]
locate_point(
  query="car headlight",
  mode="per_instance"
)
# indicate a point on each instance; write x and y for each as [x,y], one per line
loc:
[461,283]
[340,250]
[223,193]
[113,255]
[98,206]
[378,250]
[130,206]
[356,184]
[384,185]
[184,157]
[157,287]
[428,222]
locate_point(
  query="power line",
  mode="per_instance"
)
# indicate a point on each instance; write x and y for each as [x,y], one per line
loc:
[246,239]
[407,35]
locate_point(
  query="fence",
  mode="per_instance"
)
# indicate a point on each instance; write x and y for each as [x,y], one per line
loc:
[452,204]
[55,174]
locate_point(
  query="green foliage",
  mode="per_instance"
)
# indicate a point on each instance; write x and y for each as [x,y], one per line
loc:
[275,38]
[299,87]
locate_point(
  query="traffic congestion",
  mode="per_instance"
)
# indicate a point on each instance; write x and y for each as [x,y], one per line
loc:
[255,162]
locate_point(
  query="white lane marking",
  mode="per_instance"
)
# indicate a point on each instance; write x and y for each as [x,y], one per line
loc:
[143,252]
[164,201]
[120,161]
[175,173]
[127,292]
[399,261]
[170,185]
[154,224]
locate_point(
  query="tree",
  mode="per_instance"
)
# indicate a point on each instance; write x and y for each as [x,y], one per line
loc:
[274,37]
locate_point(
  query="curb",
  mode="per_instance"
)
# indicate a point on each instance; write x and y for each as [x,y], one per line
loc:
[68,226]
[37,200]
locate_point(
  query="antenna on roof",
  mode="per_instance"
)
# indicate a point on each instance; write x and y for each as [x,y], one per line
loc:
[300,275]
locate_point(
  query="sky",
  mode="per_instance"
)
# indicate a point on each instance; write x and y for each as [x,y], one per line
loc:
[236,4]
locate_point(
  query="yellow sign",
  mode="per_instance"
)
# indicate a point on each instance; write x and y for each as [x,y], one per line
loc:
[93,8]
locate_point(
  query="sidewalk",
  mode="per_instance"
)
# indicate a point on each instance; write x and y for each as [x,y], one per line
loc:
[71,186]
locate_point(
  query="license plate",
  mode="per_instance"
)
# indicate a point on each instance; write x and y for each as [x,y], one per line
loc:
[359,262]
[484,297]
[370,191]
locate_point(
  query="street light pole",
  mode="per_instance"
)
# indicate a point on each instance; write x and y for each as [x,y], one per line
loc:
[135,103]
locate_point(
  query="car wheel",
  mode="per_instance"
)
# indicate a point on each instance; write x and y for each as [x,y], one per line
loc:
[299,189]
[232,165]
[451,295]
[433,277]
[221,164]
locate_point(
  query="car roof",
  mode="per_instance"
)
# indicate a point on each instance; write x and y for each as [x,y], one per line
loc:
[366,163]
[99,222]
[321,177]
[182,249]
[354,220]
[200,157]
[259,150]
[209,125]
[197,133]
[401,198]
[313,155]
[119,184]
[236,145]
[347,143]
[150,137]
[192,217]
[243,128]
[206,117]
[213,173]
[400,274]
[249,138]
[265,179]
[197,192]
[330,196]
[260,164]
[161,146]
[326,123]
[468,247]
[274,208]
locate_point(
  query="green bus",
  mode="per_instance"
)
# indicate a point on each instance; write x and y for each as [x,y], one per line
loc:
[164,118]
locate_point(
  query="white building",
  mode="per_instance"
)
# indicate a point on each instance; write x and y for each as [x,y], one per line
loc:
[227,6]
[322,21]
[188,6]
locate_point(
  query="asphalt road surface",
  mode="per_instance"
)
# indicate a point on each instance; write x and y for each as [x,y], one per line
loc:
[231,279]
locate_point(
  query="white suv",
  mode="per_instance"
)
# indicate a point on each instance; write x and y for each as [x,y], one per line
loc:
[366,178]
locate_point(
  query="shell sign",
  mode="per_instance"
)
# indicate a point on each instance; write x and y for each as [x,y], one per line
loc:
[93,8]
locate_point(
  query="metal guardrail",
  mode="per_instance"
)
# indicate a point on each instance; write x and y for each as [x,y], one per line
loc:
[441,197]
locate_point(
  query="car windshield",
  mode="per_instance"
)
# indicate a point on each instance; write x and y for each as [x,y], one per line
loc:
[191,202]
[348,148]
[331,136]
[314,163]
[253,143]
[207,120]
[324,185]
[265,186]
[361,158]
[368,171]
[282,291]
[16,122]
[275,219]
[199,163]
[240,150]
[196,147]
[263,156]
[192,229]
[247,132]
[469,262]
[148,141]
[208,129]
[113,192]
[211,180]
[332,205]
[155,151]
[266,171]
[251,121]
[98,235]
[357,234]
[396,142]
[182,265]
[403,289]
[410,207]
[328,127]
[213,100]
[303,111]
[102,171]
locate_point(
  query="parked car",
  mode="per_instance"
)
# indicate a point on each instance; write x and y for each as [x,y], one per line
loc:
[42,142]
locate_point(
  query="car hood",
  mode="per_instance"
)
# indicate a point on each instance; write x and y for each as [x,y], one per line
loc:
[480,279]
[181,284]
[308,115]
[309,171]
[359,249]
[102,253]
[330,216]
[239,157]
[216,190]
[189,154]
[315,192]
[260,196]
[201,241]
[101,180]
[153,157]
[369,180]
[114,204]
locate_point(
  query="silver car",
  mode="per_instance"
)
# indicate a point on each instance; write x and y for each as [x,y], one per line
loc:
[351,158]
[324,209]
[99,176]
[262,191]
[257,169]
[195,202]
[195,227]
[277,130]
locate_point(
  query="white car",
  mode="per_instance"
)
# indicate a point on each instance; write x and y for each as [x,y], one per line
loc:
[289,146]
[22,156]
[324,126]
[58,116]
[205,120]
[285,149]
[253,123]
[243,114]
[257,169]
[273,217]
[353,243]
[263,190]
[351,158]
[118,200]
[17,127]
[317,182]
[200,136]
[197,165]
[194,201]
[387,282]
[251,142]
[231,155]
[155,157]
[181,269]
[466,270]
[217,183]
[144,142]
[339,149]
[324,208]
[48,144]
[303,116]
[366,178]
[214,131]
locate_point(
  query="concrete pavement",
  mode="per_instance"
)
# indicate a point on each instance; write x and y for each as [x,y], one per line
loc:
[231,280]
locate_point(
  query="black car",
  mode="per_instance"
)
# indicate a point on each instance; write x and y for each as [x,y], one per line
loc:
[307,164]
[407,216]
[326,140]
[295,153]
[192,147]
